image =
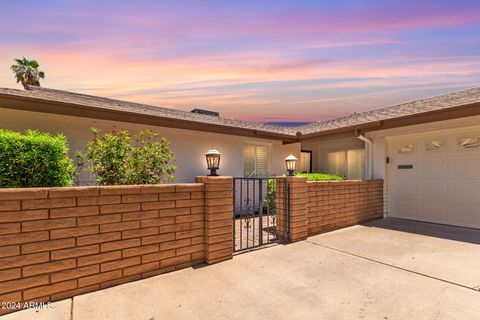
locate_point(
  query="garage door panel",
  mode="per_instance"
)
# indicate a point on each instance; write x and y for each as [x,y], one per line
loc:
[465,190]
[466,168]
[433,190]
[433,211]
[405,188]
[464,214]
[434,168]
[406,169]
[404,208]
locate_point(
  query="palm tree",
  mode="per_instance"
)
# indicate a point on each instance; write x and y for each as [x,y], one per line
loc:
[26,72]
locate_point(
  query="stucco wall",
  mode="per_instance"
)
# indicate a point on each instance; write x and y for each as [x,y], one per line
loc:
[188,146]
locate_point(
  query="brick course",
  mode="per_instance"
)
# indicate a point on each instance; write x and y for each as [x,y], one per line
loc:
[56,243]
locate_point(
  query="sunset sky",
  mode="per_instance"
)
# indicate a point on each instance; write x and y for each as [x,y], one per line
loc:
[255,60]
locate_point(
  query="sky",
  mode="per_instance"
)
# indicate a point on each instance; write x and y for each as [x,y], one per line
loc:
[259,60]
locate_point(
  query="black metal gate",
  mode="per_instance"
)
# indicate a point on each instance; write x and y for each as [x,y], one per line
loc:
[260,214]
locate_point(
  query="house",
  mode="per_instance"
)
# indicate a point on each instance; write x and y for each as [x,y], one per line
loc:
[191,134]
[427,151]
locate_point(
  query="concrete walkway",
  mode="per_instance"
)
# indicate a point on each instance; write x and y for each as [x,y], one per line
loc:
[374,271]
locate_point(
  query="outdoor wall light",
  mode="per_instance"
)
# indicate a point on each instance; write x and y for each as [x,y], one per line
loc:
[291,163]
[213,161]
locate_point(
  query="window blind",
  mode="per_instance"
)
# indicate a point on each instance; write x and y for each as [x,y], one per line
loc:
[336,163]
[349,164]
[356,164]
[255,160]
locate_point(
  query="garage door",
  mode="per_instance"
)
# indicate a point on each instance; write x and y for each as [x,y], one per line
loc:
[436,178]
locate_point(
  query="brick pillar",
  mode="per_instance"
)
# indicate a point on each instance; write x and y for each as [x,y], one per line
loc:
[298,207]
[296,198]
[280,204]
[218,218]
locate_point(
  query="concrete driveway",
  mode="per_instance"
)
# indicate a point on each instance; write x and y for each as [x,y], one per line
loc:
[388,269]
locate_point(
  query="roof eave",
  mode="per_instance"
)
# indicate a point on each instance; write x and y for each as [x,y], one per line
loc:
[34,104]
[339,131]
[455,112]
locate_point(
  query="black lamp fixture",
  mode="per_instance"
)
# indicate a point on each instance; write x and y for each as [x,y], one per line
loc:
[213,161]
[291,163]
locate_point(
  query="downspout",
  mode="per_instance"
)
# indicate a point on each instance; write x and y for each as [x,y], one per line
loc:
[370,154]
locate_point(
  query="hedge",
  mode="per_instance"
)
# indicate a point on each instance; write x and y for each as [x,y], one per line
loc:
[34,159]
[320,176]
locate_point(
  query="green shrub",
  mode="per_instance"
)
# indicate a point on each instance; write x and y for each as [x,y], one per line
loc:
[34,159]
[319,176]
[271,196]
[118,158]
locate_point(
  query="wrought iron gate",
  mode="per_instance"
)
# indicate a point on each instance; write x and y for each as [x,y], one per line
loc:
[261,211]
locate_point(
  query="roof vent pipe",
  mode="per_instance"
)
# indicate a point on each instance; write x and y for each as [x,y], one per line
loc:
[206,112]
[369,155]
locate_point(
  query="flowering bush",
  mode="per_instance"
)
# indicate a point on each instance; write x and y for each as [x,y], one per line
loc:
[119,158]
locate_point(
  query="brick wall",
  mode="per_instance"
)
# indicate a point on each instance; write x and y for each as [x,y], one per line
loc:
[60,242]
[336,204]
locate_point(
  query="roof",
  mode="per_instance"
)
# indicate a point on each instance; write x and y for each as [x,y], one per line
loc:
[417,107]
[51,95]
[174,117]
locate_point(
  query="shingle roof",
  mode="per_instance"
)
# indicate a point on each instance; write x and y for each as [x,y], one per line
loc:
[138,108]
[435,103]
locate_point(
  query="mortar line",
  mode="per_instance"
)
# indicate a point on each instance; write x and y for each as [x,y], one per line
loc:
[71,310]
[395,267]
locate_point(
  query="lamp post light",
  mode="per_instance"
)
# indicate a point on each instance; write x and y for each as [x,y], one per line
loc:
[213,161]
[291,163]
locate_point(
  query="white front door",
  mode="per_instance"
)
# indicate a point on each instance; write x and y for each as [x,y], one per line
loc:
[436,178]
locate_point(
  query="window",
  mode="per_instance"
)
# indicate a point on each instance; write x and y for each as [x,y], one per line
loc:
[406,148]
[349,164]
[255,161]
[355,164]
[434,145]
[336,163]
[305,164]
[468,142]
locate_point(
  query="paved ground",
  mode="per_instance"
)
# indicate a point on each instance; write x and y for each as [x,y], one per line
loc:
[375,271]
[247,231]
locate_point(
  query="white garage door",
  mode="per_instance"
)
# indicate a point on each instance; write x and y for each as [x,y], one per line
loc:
[436,178]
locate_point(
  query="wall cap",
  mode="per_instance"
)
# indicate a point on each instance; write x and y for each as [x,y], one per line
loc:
[347,181]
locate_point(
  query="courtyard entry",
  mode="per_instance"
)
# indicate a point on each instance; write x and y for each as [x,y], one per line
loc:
[260,211]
